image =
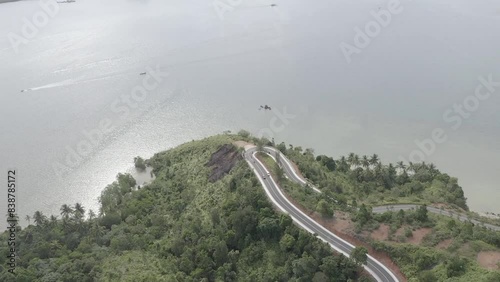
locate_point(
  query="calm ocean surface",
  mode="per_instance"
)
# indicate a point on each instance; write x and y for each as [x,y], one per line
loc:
[80,68]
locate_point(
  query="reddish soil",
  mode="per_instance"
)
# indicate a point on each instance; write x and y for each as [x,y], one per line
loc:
[444,244]
[381,234]
[489,259]
[400,232]
[418,235]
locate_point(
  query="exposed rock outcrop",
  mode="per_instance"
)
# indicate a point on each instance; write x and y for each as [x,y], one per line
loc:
[223,161]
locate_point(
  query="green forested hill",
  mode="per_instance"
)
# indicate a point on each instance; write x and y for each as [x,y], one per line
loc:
[181,227]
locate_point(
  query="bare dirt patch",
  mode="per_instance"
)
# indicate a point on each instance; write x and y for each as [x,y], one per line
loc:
[400,231]
[381,234]
[242,144]
[444,244]
[489,259]
[223,161]
[340,223]
[418,235]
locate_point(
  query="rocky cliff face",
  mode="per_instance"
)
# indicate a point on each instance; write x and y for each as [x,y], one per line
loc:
[223,161]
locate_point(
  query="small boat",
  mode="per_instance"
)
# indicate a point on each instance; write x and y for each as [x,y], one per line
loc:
[142,73]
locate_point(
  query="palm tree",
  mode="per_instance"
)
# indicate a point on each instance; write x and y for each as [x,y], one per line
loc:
[378,170]
[356,161]
[66,211]
[365,162]
[423,165]
[401,166]
[374,159]
[79,211]
[96,231]
[432,169]
[53,220]
[392,172]
[28,219]
[343,165]
[91,214]
[350,159]
[39,218]
[343,161]
[412,167]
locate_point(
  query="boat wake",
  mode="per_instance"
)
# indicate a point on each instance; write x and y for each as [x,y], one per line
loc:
[51,85]
[69,82]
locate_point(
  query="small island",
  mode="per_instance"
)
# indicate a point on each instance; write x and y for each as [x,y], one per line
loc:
[206,217]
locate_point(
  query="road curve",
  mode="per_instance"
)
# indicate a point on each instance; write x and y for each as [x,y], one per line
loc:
[380,272]
[290,172]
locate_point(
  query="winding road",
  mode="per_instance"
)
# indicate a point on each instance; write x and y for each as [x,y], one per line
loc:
[290,172]
[380,272]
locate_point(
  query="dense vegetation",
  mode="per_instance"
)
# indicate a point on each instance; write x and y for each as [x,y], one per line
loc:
[366,180]
[181,227]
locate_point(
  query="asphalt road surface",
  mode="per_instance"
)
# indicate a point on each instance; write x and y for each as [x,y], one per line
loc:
[380,272]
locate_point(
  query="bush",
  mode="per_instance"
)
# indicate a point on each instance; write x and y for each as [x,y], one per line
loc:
[427,276]
[139,163]
[408,232]
[324,208]
[456,266]
[244,133]
[110,219]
